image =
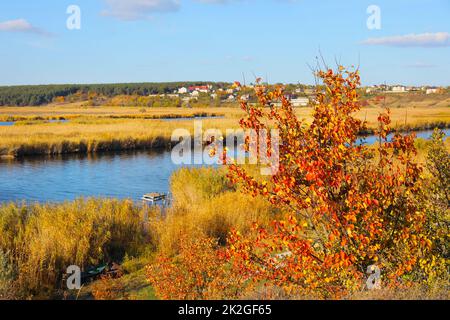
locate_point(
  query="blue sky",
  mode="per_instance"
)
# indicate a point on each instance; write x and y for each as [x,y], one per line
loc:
[220,40]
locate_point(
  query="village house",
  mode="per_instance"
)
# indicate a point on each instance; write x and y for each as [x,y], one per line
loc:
[398,89]
[432,90]
[202,89]
[183,90]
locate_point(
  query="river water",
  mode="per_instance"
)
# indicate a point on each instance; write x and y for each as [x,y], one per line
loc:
[121,175]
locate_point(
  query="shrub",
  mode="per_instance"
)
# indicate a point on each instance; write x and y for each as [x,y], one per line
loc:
[109,289]
[436,200]
[351,206]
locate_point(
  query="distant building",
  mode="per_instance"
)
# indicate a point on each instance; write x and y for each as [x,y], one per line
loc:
[195,93]
[203,89]
[372,89]
[413,89]
[432,90]
[398,89]
[183,90]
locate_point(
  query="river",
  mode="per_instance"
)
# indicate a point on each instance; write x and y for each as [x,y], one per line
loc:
[121,175]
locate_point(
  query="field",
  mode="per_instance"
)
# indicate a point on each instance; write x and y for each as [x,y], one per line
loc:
[95,129]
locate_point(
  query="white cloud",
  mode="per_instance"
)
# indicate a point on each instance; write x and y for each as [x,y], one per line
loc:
[21,25]
[130,10]
[438,39]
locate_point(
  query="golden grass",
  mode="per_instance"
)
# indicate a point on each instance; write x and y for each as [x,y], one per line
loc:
[95,129]
[409,100]
[206,204]
[93,136]
[73,111]
[44,239]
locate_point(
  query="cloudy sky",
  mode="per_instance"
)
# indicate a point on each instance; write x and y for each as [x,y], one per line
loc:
[222,40]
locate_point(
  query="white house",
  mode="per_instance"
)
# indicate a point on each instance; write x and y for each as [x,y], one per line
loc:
[182,90]
[398,89]
[432,90]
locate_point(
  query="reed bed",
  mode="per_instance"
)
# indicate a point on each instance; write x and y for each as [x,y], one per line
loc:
[41,240]
[88,135]
[115,129]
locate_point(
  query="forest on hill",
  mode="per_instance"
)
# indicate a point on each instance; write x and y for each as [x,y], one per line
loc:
[35,95]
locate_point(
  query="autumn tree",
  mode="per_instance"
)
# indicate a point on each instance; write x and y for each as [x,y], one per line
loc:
[348,207]
[351,205]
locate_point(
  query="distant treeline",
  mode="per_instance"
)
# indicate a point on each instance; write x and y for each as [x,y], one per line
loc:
[44,94]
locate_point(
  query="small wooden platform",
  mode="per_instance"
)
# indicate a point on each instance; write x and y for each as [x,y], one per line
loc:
[154,198]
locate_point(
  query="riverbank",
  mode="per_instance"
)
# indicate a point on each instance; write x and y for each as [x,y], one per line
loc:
[106,129]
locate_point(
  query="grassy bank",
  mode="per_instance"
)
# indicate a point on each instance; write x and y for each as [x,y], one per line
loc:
[114,129]
[38,242]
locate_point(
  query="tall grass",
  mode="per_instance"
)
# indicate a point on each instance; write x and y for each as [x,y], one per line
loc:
[89,136]
[114,129]
[44,239]
[205,204]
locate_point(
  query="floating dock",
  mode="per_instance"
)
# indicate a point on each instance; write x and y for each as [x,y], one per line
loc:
[154,198]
